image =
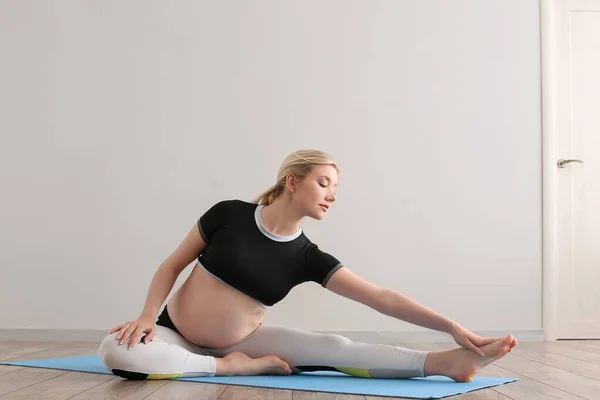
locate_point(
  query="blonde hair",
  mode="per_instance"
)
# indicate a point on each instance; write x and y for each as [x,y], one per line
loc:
[300,163]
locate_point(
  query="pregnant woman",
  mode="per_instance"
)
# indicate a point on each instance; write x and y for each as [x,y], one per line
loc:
[249,256]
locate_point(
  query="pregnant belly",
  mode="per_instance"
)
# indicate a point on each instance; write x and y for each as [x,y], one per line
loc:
[211,314]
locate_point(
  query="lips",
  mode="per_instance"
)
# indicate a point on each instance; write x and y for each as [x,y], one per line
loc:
[324,207]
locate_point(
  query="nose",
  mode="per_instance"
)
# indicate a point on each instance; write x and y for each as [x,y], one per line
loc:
[331,197]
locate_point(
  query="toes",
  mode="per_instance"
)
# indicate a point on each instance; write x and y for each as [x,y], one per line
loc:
[510,341]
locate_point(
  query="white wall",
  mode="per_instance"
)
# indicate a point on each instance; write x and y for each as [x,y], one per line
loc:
[124,121]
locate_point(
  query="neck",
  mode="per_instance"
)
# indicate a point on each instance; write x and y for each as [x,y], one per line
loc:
[280,218]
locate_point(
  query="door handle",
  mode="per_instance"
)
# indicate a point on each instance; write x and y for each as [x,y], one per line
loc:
[562,163]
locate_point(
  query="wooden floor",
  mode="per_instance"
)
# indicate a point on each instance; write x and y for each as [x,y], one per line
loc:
[558,370]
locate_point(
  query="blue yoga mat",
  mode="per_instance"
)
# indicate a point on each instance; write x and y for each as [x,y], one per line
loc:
[433,387]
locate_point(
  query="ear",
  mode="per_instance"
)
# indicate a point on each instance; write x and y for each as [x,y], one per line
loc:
[291,181]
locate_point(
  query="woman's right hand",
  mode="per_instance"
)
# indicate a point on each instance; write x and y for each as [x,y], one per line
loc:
[132,330]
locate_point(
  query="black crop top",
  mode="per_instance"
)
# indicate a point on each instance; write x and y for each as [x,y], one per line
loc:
[244,255]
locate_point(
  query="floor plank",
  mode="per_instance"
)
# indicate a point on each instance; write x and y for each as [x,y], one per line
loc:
[180,390]
[62,387]
[525,388]
[552,376]
[5,369]
[306,395]
[6,345]
[24,349]
[38,392]
[121,389]
[38,351]
[565,349]
[65,350]
[588,345]
[26,377]
[482,394]
[254,393]
[562,362]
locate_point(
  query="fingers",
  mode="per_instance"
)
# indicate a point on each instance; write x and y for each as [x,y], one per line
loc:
[150,332]
[131,332]
[117,328]
[471,346]
[134,337]
[125,334]
[478,351]
[478,341]
[466,342]
[482,342]
[122,328]
[150,336]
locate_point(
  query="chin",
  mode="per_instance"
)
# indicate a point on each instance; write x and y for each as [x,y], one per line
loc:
[316,215]
[320,215]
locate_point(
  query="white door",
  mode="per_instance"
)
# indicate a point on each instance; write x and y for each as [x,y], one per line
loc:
[578,184]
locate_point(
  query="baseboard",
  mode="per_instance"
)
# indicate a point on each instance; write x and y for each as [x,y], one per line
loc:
[386,337]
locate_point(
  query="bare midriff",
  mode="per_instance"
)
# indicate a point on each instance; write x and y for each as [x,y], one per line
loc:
[211,314]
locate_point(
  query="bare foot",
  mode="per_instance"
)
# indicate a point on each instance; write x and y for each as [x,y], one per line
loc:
[461,364]
[237,363]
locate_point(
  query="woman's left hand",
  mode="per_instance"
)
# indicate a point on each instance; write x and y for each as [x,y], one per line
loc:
[469,340]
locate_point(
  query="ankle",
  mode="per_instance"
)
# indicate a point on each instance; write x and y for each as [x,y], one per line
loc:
[438,363]
[224,367]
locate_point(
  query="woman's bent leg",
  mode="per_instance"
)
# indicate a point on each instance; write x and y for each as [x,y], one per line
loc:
[168,355]
[308,351]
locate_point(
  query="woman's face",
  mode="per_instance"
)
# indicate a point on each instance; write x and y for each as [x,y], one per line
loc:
[316,193]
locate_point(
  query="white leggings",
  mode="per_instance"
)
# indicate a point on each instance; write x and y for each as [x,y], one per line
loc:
[170,355]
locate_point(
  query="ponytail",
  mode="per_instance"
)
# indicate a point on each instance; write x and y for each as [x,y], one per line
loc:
[268,196]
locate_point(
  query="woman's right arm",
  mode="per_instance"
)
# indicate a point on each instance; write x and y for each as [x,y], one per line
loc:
[160,287]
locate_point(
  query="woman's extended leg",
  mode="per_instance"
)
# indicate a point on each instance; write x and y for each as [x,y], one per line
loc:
[308,351]
[169,355]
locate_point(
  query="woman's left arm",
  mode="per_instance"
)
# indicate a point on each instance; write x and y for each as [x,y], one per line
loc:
[388,302]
